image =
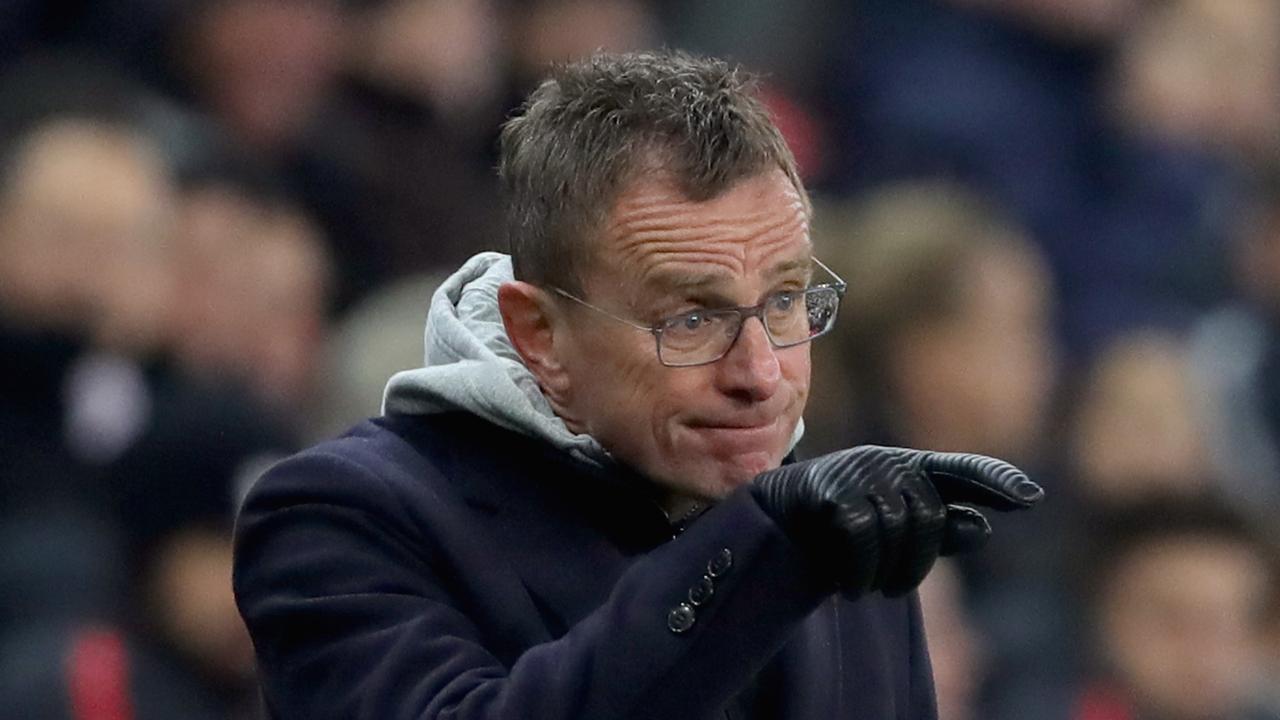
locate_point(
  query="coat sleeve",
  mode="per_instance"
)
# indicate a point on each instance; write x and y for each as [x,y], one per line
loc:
[352,618]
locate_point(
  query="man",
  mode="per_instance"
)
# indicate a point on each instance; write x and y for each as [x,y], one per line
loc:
[525,532]
[1178,594]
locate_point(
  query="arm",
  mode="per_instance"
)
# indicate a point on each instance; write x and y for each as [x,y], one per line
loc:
[354,616]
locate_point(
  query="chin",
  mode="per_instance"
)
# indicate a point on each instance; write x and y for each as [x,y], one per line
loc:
[750,465]
[717,469]
[729,475]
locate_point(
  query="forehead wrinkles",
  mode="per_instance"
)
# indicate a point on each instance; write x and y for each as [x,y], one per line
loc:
[655,231]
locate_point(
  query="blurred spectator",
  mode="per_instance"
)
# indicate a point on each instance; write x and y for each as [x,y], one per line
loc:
[177,637]
[1190,103]
[1140,467]
[183,654]
[944,342]
[291,280]
[399,168]
[167,644]
[944,339]
[1177,588]
[1235,360]
[56,108]
[114,463]
[377,338]
[217,228]
[980,94]
[1204,74]
[256,280]
[195,612]
[556,31]
[1135,429]
[448,53]
[86,211]
[265,73]
[49,279]
[956,646]
[264,68]
[189,658]
[985,92]
[184,613]
[93,208]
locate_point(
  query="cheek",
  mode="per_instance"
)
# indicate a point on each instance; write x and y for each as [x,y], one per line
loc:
[616,380]
[796,366]
[671,396]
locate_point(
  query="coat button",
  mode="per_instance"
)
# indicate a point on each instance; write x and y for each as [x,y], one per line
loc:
[702,591]
[720,564]
[681,618]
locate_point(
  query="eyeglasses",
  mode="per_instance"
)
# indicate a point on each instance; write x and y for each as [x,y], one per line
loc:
[701,337]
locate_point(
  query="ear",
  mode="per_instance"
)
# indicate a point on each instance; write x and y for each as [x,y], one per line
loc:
[536,329]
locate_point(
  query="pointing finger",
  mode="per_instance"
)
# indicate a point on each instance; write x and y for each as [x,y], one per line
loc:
[980,480]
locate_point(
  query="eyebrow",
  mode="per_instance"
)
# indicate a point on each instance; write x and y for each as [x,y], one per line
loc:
[689,281]
[665,282]
[786,268]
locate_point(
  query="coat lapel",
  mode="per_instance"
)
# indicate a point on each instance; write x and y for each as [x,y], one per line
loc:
[567,530]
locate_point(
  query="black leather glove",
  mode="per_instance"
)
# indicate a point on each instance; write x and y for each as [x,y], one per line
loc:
[878,517]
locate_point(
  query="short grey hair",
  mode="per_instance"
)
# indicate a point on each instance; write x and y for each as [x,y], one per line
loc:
[595,124]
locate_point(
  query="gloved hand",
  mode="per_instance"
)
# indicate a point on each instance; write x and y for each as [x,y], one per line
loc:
[878,517]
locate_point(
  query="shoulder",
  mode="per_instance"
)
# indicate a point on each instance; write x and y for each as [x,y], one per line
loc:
[395,491]
[382,462]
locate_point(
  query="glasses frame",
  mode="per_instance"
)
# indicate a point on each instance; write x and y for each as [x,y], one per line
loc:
[743,312]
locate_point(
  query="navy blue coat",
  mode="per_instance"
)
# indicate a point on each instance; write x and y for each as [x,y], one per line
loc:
[442,567]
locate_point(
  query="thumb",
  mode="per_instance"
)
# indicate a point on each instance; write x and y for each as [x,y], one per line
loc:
[966,530]
[980,480]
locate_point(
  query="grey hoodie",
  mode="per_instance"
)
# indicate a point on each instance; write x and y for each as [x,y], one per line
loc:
[472,366]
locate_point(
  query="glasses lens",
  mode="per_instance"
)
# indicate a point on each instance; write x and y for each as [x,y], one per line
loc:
[704,336]
[696,337]
[784,317]
[821,304]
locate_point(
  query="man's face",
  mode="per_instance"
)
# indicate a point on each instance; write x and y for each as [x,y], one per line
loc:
[1180,624]
[697,431]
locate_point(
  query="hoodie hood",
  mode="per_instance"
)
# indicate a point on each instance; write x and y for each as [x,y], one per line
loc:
[471,366]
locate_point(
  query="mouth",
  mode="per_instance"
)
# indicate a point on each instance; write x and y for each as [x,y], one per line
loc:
[738,435]
[753,422]
[734,424]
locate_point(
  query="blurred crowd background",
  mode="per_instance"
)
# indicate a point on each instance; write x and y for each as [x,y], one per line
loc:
[221,222]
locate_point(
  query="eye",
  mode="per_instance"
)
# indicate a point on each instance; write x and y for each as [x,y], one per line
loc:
[783,301]
[692,321]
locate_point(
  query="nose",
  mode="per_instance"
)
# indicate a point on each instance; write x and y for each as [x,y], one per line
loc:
[751,369]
